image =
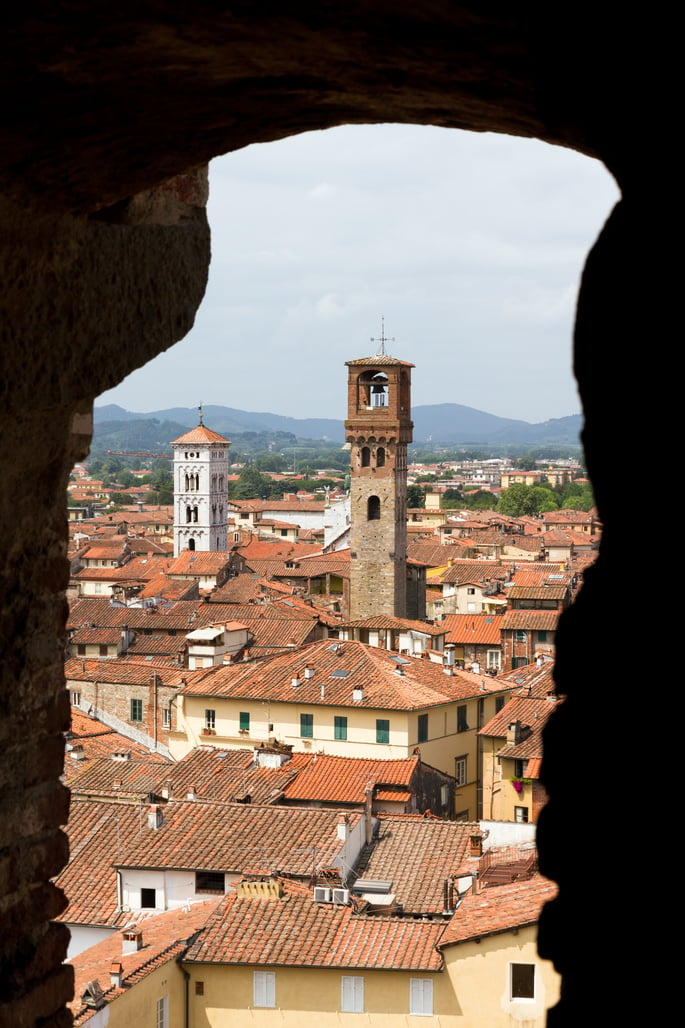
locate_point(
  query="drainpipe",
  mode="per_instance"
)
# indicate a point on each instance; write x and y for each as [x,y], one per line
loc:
[154,716]
[186,979]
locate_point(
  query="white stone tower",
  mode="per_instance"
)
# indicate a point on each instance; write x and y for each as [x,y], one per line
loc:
[200,490]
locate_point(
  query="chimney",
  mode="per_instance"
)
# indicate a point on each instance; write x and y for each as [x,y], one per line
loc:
[357,695]
[368,816]
[116,974]
[309,672]
[131,941]
[192,793]
[343,826]
[514,733]
[154,817]
[295,682]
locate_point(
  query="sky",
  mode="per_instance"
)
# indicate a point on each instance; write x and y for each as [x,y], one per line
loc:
[469,246]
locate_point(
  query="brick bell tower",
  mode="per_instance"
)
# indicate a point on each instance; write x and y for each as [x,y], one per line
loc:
[378,428]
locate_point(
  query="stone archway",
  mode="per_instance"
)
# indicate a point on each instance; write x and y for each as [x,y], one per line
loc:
[105,251]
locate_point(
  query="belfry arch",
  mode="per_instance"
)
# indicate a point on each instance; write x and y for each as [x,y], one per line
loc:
[105,250]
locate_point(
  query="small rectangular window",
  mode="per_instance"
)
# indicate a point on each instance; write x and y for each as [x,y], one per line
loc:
[352,994]
[81,649]
[136,710]
[522,981]
[520,636]
[199,988]
[462,723]
[166,717]
[382,730]
[244,720]
[103,649]
[423,727]
[264,988]
[306,726]
[421,997]
[163,1012]
[210,719]
[340,728]
[148,898]
[460,770]
[542,637]
[521,815]
[75,698]
[499,703]
[209,881]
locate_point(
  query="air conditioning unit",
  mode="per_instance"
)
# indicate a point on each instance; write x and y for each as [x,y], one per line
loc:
[341,896]
[323,895]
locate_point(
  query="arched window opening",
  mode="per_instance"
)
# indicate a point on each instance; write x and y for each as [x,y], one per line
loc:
[194,513]
[380,457]
[379,390]
[373,509]
[366,456]
[191,544]
[189,515]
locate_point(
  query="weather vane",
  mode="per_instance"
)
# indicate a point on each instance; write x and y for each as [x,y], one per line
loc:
[200,410]
[383,338]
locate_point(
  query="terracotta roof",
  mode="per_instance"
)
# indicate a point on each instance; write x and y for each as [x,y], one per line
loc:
[232,775]
[164,935]
[94,636]
[399,624]
[199,562]
[294,931]
[532,714]
[232,837]
[97,831]
[89,740]
[377,360]
[541,591]
[480,629]
[329,779]
[536,680]
[531,620]
[110,778]
[416,854]
[499,909]
[340,668]
[84,669]
[200,435]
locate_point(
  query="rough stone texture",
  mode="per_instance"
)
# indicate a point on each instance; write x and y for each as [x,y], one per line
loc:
[104,254]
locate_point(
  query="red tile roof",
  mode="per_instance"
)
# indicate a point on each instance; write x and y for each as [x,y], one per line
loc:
[200,435]
[340,668]
[416,854]
[479,629]
[532,620]
[499,909]
[328,779]
[296,932]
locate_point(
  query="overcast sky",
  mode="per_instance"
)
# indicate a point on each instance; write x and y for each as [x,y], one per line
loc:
[470,246]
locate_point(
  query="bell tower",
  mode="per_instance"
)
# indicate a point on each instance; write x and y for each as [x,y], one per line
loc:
[378,429]
[200,490]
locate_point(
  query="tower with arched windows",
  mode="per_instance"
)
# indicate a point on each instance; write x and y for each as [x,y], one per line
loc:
[200,490]
[378,429]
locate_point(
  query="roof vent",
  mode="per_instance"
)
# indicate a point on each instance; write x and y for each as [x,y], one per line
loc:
[116,974]
[131,941]
[93,996]
[154,817]
[309,672]
[357,695]
[295,682]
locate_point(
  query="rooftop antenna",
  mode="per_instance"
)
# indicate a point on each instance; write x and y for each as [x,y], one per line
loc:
[383,338]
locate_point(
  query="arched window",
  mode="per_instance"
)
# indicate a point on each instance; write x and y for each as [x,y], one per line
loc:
[194,513]
[380,457]
[366,456]
[191,544]
[189,515]
[373,509]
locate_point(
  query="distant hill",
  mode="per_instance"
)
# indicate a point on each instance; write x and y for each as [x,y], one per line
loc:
[439,423]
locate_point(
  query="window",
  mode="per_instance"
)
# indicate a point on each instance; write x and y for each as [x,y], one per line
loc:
[421,996]
[494,659]
[522,981]
[542,637]
[521,815]
[136,710]
[352,994]
[199,988]
[519,768]
[307,726]
[264,988]
[366,456]
[244,721]
[210,719]
[103,648]
[163,1012]
[75,698]
[460,770]
[209,881]
[423,727]
[470,591]
[81,649]
[380,457]
[519,636]
[166,717]
[462,723]
[499,703]
[382,730]
[148,898]
[340,731]
[373,509]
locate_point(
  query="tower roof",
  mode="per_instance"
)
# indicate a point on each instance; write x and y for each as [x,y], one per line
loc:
[201,434]
[378,360]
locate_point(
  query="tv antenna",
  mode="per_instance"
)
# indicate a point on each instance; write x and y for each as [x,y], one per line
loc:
[383,338]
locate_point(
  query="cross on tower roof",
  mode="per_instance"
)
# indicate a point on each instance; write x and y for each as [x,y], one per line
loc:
[383,338]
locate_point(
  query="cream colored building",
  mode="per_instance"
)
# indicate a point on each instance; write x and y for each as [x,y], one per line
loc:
[350,700]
